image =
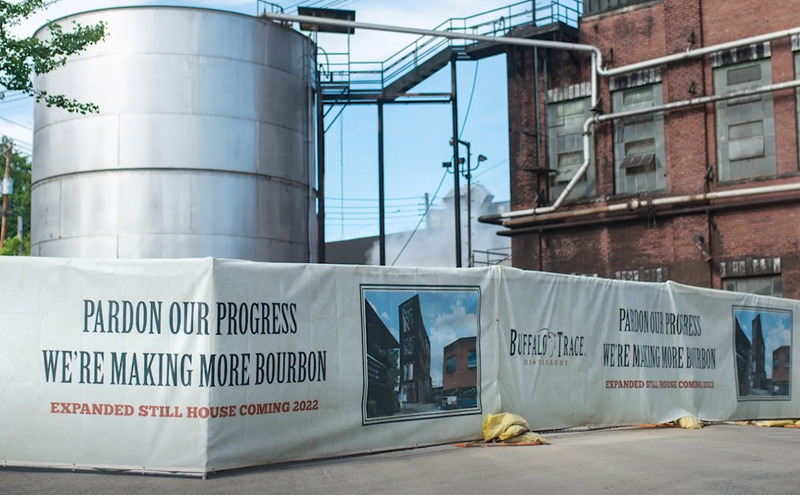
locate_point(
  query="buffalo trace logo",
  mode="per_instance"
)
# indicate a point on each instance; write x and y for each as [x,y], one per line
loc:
[545,347]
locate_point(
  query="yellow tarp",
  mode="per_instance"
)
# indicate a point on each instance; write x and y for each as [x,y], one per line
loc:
[510,428]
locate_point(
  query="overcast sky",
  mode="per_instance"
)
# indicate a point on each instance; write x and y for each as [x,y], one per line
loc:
[416,136]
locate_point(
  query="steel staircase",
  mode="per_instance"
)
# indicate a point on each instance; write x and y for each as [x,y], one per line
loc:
[342,80]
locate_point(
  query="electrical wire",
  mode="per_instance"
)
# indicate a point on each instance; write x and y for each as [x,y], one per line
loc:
[341,168]
[374,200]
[304,4]
[471,95]
[15,98]
[444,176]
[365,209]
[491,168]
[15,123]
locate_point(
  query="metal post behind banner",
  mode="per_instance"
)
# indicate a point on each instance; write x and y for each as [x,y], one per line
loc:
[456,192]
[381,197]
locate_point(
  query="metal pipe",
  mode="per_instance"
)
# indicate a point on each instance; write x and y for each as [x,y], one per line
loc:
[604,118]
[701,100]
[697,52]
[637,204]
[504,40]
[587,159]
[595,96]
[658,214]
[597,62]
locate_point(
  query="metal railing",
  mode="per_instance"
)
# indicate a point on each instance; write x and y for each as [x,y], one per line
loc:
[262,7]
[490,257]
[338,71]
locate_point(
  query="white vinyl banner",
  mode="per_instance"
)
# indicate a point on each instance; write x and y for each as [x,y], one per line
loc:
[95,367]
[591,351]
[201,365]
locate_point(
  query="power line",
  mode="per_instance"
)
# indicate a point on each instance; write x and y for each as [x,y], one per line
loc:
[373,217]
[444,176]
[471,95]
[361,206]
[373,199]
[16,123]
[16,98]
[505,160]
[367,211]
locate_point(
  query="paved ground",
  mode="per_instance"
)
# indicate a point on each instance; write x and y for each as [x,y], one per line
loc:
[719,459]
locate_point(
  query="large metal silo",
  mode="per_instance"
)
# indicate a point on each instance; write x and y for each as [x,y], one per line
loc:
[203,145]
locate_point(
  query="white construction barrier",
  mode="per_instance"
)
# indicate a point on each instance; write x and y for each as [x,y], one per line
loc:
[200,365]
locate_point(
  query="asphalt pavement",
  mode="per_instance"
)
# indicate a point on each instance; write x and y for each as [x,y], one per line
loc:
[719,459]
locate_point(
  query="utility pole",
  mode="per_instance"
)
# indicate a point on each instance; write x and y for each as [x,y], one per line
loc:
[7,187]
[19,234]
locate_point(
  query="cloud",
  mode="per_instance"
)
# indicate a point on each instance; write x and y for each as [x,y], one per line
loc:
[447,327]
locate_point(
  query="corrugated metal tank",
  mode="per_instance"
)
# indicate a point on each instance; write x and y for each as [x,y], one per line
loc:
[204,144]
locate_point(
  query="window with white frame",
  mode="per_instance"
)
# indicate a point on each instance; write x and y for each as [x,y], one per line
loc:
[565,120]
[746,124]
[639,153]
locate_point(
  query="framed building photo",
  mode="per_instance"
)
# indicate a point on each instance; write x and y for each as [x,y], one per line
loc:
[763,344]
[421,352]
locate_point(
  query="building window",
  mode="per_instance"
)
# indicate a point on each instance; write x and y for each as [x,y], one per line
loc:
[472,359]
[659,274]
[565,121]
[639,153]
[745,125]
[408,371]
[765,286]
[450,364]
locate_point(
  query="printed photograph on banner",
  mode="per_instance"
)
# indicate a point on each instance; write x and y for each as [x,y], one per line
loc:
[763,346]
[421,352]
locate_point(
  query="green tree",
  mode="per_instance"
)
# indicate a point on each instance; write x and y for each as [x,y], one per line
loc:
[21,58]
[19,202]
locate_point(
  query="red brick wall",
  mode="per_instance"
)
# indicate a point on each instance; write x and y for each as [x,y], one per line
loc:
[728,20]
[640,33]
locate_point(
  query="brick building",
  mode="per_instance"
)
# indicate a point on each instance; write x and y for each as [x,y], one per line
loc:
[460,367]
[415,354]
[781,369]
[704,192]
